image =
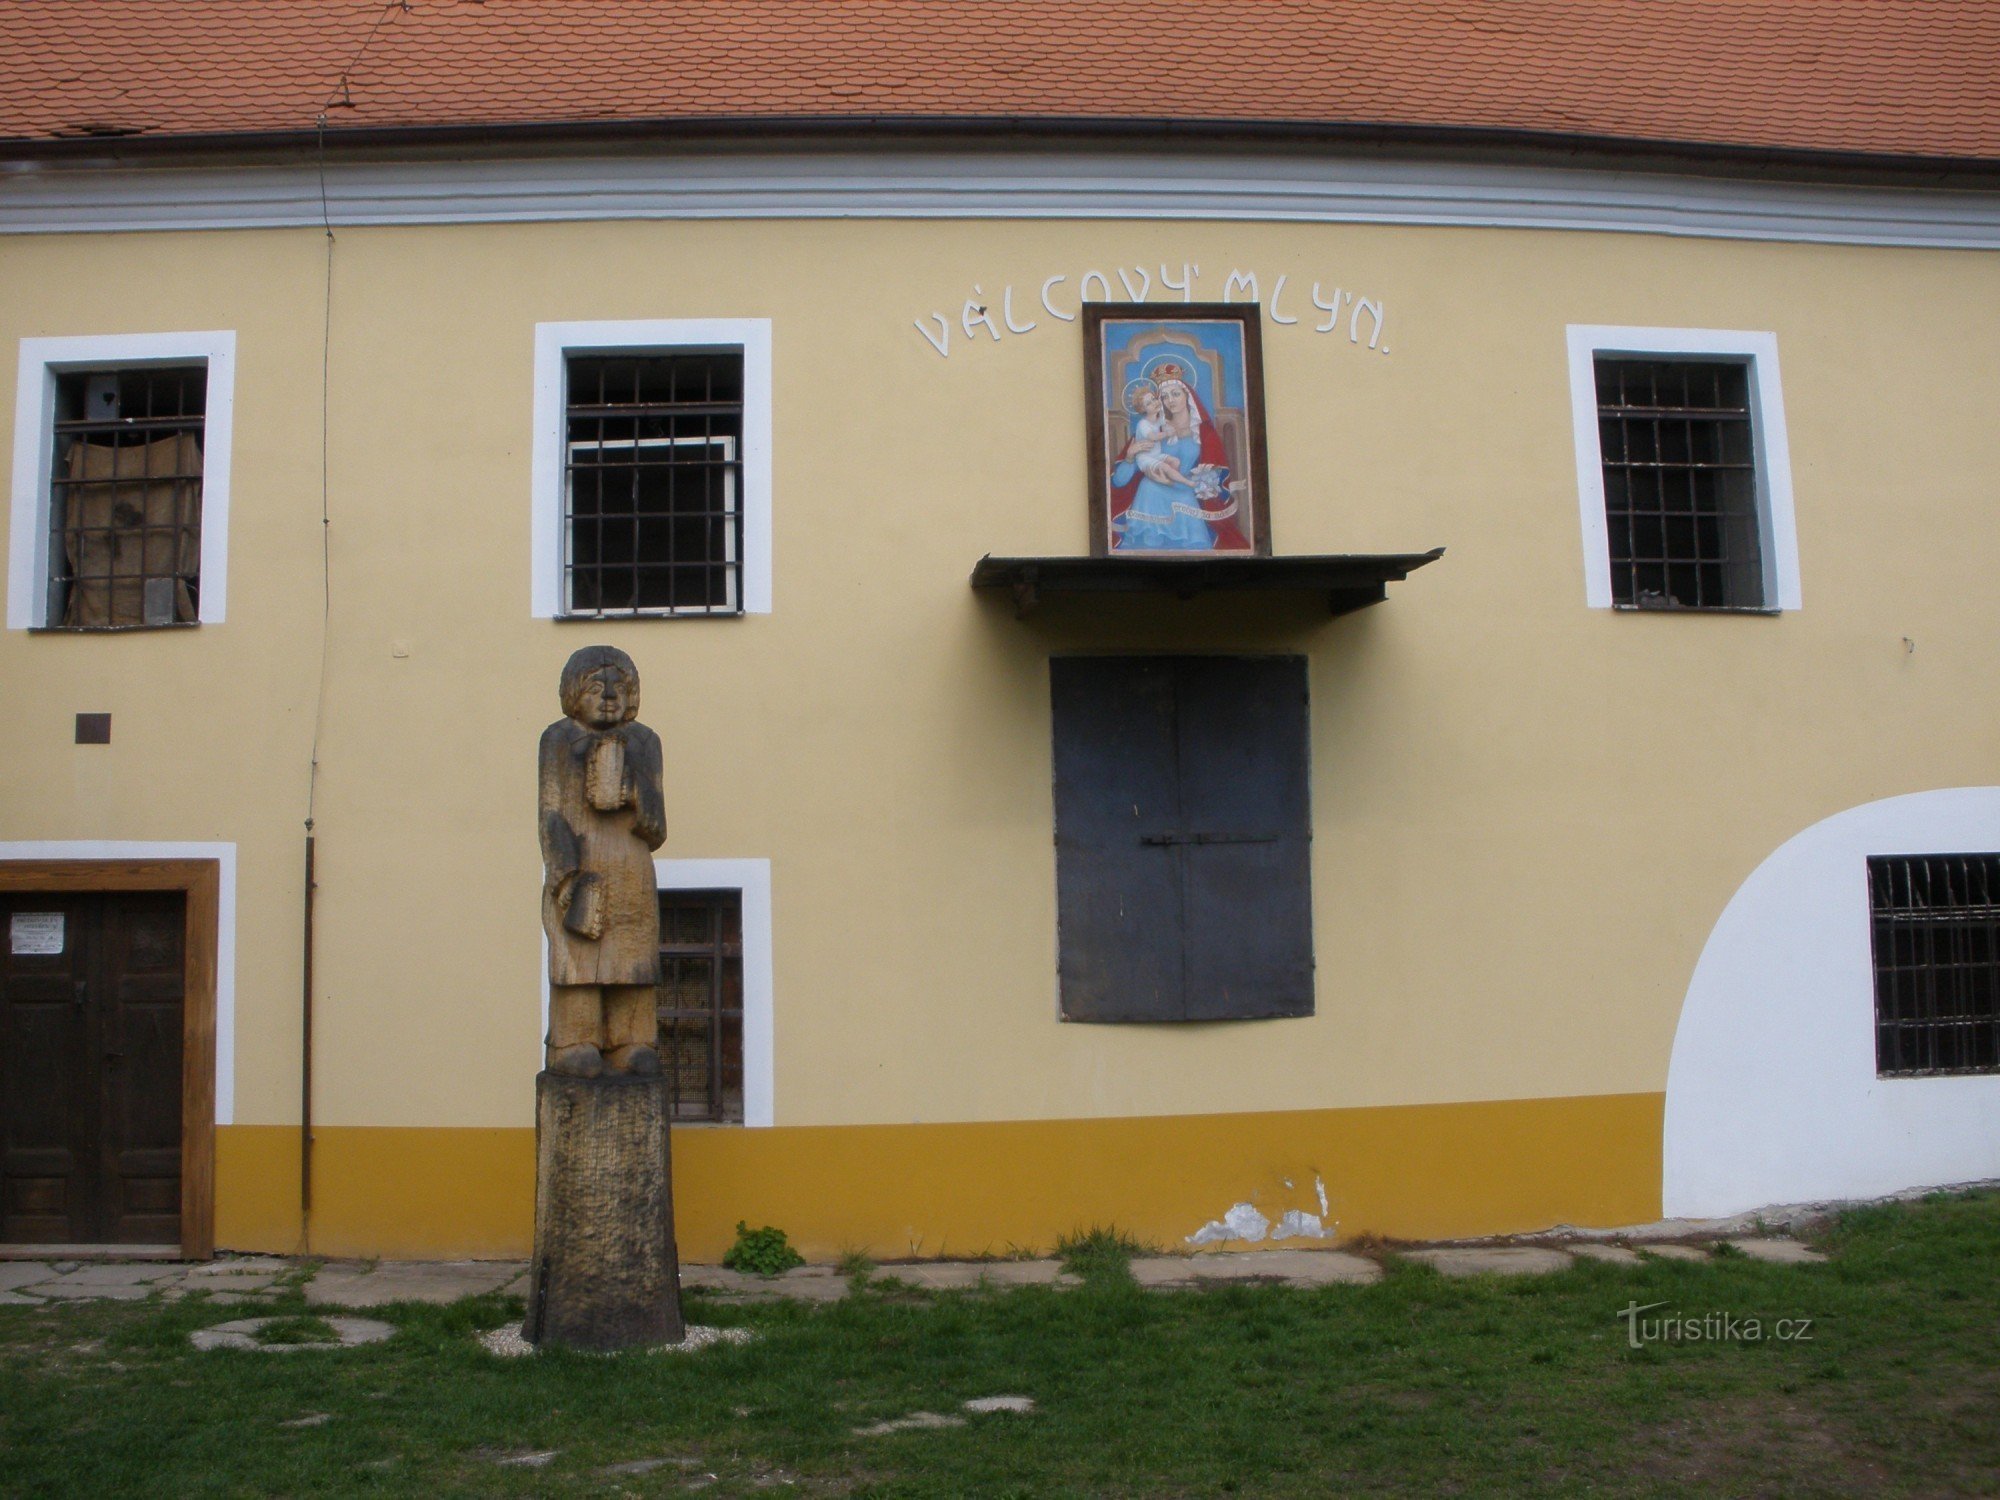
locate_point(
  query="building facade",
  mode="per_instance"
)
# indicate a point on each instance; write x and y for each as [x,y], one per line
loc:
[1643,837]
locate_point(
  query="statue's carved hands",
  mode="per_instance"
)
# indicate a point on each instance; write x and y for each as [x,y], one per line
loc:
[607,780]
[580,900]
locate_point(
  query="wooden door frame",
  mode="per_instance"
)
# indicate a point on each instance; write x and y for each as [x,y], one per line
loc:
[201,881]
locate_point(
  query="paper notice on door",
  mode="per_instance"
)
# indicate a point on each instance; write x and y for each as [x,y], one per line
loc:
[35,932]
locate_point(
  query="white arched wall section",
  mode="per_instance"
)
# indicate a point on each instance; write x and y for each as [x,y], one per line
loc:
[1772,1095]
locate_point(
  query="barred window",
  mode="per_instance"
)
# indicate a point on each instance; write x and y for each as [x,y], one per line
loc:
[1678,448]
[1936,936]
[125,497]
[701,1003]
[653,521]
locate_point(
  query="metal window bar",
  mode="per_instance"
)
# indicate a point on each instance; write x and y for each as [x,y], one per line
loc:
[1936,935]
[1680,484]
[125,498]
[701,1003]
[653,520]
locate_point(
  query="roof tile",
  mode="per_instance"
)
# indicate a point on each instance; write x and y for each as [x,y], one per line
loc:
[1899,77]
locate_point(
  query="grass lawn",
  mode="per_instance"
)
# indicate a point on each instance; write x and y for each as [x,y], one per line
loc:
[1418,1386]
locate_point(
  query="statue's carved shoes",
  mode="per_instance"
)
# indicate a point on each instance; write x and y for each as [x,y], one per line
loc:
[583,1061]
[643,1061]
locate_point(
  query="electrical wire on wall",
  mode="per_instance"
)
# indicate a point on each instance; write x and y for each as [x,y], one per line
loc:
[341,94]
[319,714]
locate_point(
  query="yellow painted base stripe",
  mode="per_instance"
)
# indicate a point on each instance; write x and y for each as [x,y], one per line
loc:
[1429,1171]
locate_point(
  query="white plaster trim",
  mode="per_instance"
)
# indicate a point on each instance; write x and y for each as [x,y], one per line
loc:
[224,856]
[553,342]
[1778,526]
[42,359]
[1772,1095]
[44,198]
[752,879]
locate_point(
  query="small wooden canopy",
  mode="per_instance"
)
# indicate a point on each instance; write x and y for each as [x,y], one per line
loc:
[1350,581]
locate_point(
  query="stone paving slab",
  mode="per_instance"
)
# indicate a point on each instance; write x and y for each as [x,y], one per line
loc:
[255,1279]
[59,1292]
[1299,1267]
[242,1334]
[251,1281]
[964,1275]
[120,1273]
[1026,1273]
[1779,1252]
[240,1265]
[1615,1255]
[1492,1260]
[409,1281]
[811,1284]
[934,1276]
[19,1273]
[1665,1229]
[1293,1267]
[803,1284]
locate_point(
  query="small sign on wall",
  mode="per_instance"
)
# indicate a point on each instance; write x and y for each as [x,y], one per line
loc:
[36,933]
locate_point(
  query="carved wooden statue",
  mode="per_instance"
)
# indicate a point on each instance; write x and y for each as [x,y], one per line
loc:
[603,813]
[605,1273]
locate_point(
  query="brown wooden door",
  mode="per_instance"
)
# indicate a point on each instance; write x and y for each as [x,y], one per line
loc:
[92,989]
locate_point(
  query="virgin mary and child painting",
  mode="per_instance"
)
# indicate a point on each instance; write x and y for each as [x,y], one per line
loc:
[1177,428]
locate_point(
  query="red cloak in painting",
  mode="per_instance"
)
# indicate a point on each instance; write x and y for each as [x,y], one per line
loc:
[1228,537]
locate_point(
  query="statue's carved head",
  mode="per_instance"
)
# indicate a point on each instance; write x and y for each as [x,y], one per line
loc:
[600,687]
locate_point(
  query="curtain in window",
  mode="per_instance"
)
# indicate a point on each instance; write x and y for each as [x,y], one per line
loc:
[132,516]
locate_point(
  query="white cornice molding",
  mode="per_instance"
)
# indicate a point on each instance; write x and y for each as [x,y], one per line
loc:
[40,199]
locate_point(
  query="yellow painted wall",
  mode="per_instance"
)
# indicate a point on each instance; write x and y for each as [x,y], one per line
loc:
[1528,813]
[917,1191]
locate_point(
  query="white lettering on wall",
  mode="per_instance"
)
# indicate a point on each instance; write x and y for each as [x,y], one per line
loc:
[974,313]
[942,341]
[1137,281]
[1368,305]
[1331,309]
[1277,292]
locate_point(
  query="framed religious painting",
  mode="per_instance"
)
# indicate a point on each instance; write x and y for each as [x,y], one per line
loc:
[1175,392]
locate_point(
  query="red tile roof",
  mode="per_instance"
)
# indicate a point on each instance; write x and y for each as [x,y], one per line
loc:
[1879,77]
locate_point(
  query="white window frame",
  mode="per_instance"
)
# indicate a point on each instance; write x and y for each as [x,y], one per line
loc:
[42,361]
[751,880]
[1777,528]
[554,344]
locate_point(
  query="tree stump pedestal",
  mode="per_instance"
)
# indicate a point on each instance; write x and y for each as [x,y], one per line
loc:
[605,1274]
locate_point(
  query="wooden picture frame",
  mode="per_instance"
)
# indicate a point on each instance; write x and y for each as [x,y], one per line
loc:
[1191,374]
